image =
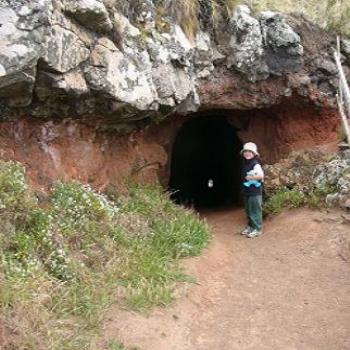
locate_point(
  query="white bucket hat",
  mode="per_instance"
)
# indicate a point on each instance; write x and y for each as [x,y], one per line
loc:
[250,146]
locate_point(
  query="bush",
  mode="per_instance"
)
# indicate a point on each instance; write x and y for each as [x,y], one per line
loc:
[282,199]
[293,198]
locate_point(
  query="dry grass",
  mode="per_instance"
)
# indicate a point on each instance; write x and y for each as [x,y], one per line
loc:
[329,14]
[193,15]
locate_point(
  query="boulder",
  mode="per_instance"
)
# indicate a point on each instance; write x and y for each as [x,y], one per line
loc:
[246,45]
[332,200]
[92,14]
[283,49]
[265,46]
[19,55]
[114,74]
[329,173]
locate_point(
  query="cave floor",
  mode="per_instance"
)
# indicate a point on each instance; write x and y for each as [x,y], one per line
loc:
[287,289]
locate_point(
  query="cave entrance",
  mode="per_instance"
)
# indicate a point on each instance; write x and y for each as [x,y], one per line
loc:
[206,164]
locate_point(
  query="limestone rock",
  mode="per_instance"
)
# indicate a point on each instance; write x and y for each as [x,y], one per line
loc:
[246,45]
[284,52]
[329,173]
[18,70]
[332,200]
[343,183]
[64,50]
[85,55]
[145,14]
[90,13]
[261,48]
[345,155]
[203,55]
[164,78]
[112,73]
[71,84]
[33,14]
[18,59]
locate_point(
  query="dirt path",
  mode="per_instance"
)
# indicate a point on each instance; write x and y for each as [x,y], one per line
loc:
[288,289]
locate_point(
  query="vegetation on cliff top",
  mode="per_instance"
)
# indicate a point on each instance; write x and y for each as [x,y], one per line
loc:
[194,14]
[63,262]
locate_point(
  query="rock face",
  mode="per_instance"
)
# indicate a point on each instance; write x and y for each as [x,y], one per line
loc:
[76,58]
[265,46]
[77,76]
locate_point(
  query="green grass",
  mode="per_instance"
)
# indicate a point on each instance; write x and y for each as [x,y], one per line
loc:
[293,198]
[63,265]
[283,199]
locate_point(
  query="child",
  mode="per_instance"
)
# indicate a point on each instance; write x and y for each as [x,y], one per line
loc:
[253,176]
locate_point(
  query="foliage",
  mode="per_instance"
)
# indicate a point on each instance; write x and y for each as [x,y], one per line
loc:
[284,198]
[294,198]
[62,265]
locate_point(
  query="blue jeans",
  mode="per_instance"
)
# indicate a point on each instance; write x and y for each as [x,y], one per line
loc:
[253,208]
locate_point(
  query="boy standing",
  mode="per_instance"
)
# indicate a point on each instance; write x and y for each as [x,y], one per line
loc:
[253,176]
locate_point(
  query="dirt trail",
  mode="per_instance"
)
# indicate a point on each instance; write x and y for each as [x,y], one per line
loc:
[288,289]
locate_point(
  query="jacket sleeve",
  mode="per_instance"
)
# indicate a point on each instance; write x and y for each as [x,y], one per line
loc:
[258,170]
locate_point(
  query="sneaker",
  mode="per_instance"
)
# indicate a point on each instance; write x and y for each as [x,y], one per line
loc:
[246,231]
[254,233]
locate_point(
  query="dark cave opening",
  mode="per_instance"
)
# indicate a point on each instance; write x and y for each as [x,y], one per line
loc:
[206,163]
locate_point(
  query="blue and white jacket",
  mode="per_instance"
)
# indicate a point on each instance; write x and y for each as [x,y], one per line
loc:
[252,167]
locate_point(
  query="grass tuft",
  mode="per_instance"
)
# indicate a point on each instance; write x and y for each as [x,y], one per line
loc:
[283,199]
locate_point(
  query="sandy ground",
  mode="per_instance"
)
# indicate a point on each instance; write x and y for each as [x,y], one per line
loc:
[288,289]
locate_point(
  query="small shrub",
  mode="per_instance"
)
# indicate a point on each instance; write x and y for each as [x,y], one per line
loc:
[14,191]
[282,199]
[78,207]
[293,198]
